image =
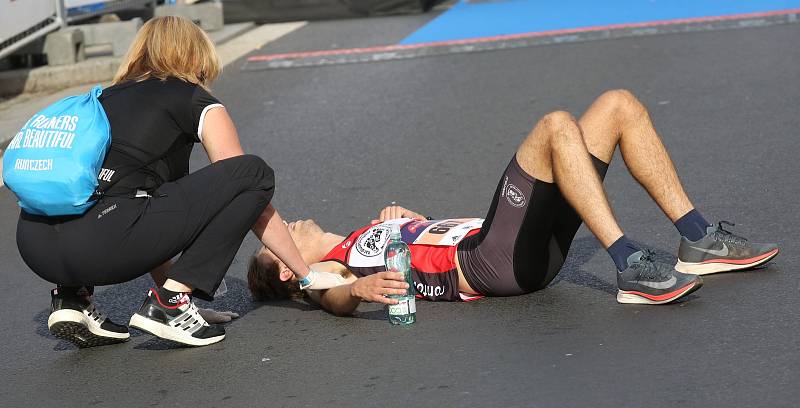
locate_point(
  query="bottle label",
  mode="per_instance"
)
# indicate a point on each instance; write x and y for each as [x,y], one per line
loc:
[400,309]
[412,305]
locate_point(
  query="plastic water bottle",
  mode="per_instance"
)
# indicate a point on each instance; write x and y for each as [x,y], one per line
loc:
[397,256]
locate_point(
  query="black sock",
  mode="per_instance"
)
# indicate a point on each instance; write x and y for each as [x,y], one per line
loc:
[170,298]
[74,291]
[620,250]
[692,225]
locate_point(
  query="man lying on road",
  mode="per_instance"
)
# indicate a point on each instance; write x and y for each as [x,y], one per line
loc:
[551,185]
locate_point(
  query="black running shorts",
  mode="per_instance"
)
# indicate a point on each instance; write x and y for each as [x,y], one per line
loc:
[526,236]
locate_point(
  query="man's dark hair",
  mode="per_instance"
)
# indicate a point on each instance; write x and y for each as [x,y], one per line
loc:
[264,281]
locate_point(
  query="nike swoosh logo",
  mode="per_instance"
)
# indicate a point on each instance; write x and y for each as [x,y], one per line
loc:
[660,285]
[718,252]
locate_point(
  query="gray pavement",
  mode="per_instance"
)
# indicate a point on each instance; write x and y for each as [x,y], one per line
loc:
[434,134]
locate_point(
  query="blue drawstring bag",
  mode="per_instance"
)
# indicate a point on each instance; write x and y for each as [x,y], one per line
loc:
[52,164]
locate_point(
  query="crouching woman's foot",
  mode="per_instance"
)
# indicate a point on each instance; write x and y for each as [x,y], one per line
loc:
[646,281]
[176,319]
[76,319]
[722,251]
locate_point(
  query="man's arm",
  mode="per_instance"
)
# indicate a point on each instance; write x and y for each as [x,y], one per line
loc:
[394,212]
[343,300]
[336,300]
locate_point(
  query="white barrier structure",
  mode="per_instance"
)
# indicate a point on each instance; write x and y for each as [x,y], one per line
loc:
[77,10]
[23,21]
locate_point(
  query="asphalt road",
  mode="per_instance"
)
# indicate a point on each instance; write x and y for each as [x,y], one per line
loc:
[434,134]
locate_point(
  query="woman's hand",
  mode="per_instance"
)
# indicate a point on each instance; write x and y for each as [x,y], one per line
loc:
[374,287]
[393,212]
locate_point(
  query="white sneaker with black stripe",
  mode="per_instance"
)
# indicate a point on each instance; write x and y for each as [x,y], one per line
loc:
[76,319]
[177,320]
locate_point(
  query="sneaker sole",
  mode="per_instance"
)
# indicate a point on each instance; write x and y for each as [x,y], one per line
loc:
[70,325]
[170,333]
[719,265]
[634,297]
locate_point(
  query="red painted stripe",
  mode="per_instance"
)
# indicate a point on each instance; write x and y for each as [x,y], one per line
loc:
[743,261]
[388,48]
[659,298]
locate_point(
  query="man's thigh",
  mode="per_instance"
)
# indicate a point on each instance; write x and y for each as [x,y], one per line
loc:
[566,223]
[511,250]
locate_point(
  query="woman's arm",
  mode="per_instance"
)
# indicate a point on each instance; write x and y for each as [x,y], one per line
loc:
[271,230]
[221,141]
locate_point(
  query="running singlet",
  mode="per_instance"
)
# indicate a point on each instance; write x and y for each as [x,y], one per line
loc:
[433,248]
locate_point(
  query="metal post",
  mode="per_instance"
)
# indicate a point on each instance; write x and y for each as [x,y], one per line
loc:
[61,13]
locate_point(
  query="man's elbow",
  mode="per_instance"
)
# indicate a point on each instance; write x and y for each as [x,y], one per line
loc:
[340,310]
[343,311]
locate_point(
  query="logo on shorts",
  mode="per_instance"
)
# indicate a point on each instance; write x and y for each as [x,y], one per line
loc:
[514,196]
[346,244]
[372,242]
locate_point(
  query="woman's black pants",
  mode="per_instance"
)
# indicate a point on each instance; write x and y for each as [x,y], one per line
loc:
[203,216]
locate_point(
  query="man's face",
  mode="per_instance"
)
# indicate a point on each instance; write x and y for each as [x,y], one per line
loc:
[306,235]
[304,231]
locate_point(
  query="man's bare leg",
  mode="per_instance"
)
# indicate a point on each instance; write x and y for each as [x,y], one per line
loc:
[618,118]
[555,151]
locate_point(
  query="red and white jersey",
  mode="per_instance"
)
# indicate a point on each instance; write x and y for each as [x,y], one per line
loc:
[433,247]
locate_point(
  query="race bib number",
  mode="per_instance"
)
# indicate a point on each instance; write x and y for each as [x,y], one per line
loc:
[368,247]
[439,232]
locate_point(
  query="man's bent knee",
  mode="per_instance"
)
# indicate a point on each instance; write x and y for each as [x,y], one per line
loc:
[621,100]
[561,126]
[558,120]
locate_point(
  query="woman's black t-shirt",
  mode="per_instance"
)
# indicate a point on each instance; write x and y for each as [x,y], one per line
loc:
[151,119]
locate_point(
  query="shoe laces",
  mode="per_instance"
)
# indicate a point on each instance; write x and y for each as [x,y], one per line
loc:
[646,267]
[195,313]
[94,313]
[721,234]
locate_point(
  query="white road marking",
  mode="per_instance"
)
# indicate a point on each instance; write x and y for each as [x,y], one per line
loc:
[254,39]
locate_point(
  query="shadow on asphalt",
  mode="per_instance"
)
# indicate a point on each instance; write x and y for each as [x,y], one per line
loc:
[583,249]
[120,301]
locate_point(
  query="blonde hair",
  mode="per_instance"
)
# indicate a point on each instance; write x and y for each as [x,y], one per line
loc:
[170,46]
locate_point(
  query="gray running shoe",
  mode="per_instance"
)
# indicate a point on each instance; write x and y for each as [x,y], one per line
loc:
[722,251]
[646,281]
